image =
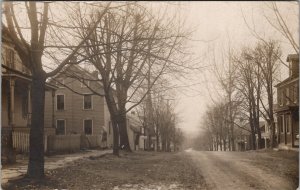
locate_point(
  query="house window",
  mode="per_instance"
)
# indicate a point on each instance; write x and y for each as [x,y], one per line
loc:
[10,56]
[287,123]
[287,96]
[281,123]
[88,126]
[84,83]
[87,102]
[60,102]
[60,127]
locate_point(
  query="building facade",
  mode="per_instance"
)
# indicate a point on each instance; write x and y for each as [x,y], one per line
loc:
[288,105]
[78,105]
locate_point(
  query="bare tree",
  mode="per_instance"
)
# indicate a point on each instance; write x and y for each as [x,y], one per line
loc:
[249,85]
[226,75]
[280,24]
[266,56]
[31,51]
[272,12]
[215,124]
[124,48]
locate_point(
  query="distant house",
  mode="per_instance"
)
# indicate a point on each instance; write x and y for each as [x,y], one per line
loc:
[16,97]
[242,140]
[265,130]
[134,131]
[288,105]
[77,110]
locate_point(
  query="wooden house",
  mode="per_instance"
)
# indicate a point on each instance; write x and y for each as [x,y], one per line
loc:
[288,106]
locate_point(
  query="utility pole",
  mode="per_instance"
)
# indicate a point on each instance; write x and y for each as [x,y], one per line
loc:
[149,111]
[170,117]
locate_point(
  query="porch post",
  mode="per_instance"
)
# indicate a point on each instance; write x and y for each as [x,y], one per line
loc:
[11,156]
[265,142]
[53,107]
[29,106]
[12,102]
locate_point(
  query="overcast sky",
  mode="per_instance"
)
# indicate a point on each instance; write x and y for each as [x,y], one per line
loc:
[219,23]
[216,25]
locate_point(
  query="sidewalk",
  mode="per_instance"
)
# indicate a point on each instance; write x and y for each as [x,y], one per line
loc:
[287,148]
[52,162]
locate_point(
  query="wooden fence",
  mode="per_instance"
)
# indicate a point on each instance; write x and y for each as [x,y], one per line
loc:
[59,143]
[91,141]
[21,141]
[64,143]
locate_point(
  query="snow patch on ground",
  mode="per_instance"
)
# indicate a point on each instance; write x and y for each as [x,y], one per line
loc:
[189,150]
[159,186]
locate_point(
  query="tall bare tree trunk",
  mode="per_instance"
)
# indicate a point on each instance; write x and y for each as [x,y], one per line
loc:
[224,144]
[157,142]
[111,105]
[271,116]
[36,148]
[124,141]
[115,136]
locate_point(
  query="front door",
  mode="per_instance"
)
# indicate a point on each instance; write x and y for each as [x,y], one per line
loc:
[295,133]
[284,128]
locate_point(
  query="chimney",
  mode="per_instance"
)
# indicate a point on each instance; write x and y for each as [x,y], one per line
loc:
[73,60]
[293,60]
[95,74]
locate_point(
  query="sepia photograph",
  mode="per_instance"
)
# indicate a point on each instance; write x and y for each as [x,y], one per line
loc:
[150,95]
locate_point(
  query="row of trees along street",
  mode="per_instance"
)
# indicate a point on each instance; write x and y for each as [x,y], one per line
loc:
[162,118]
[126,42]
[246,78]
[248,84]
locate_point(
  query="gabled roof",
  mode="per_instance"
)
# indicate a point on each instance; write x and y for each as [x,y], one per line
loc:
[286,81]
[76,68]
[261,124]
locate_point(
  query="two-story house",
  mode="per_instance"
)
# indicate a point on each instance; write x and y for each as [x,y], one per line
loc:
[16,98]
[288,105]
[77,109]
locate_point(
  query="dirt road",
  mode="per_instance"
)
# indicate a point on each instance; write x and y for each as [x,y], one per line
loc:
[187,170]
[241,170]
